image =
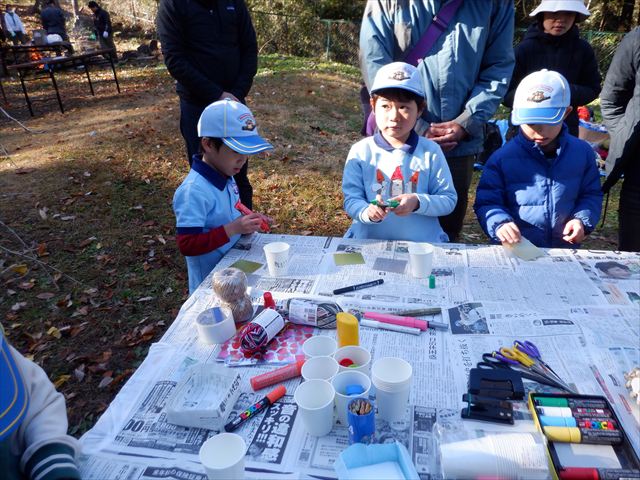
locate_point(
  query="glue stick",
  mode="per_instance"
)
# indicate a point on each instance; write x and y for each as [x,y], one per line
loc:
[276,376]
[347,329]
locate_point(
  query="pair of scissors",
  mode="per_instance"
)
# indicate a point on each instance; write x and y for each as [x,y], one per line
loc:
[530,349]
[529,355]
[497,360]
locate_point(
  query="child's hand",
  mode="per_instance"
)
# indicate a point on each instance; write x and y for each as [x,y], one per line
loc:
[244,224]
[408,203]
[573,231]
[508,233]
[376,213]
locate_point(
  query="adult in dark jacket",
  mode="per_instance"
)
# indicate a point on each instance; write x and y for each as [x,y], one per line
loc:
[554,43]
[210,48]
[620,105]
[102,26]
[52,19]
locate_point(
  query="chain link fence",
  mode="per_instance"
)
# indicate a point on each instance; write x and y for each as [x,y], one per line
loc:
[337,40]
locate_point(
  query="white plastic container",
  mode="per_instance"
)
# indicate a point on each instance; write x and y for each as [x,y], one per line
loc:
[392,378]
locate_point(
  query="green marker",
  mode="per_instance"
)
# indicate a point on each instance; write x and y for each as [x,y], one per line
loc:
[390,204]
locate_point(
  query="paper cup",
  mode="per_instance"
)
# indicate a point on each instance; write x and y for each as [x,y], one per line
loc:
[315,406]
[222,456]
[319,346]
[320,368]
[215,325]
[340,383]
[420,259]
[277,254]
[359,355]
[392,378]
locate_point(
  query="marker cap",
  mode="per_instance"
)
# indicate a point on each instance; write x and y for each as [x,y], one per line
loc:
[563,434]
[277,393]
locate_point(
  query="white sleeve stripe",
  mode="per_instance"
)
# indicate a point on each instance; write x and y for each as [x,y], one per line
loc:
[70,465]
[42,463]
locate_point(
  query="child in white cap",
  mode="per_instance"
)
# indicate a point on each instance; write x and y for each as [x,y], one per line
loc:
[553,42]
[208,224]
[33,422]
[396,184]
[544,183]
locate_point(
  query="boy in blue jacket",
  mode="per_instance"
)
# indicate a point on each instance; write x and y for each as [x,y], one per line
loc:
[543,184]
[208,223]
[406,175]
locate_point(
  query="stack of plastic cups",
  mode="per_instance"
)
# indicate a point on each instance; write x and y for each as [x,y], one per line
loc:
[392,378]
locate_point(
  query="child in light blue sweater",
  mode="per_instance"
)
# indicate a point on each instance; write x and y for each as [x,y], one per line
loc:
[405,176]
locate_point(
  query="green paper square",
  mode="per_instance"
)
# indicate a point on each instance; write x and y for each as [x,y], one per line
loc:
[246,266]
[354,258]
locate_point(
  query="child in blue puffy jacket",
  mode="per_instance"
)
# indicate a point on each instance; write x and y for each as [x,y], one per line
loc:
[544,183]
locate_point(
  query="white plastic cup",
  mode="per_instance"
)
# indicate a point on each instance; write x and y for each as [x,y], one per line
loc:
[215,325]
[420,259]
[320,368]
[340,383]
[392,378]
[222,456]
[319,346]
[277,254]
[359,355]
[315,406]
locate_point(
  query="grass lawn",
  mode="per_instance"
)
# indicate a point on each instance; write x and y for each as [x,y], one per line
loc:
[89,270]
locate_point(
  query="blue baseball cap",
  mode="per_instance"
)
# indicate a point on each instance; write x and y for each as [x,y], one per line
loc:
[542,97]
[234,124]
[14,400]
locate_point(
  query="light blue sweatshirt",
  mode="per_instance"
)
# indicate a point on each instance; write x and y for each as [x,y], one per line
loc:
[373,166]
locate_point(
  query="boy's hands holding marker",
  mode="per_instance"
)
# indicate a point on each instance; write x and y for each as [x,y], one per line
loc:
[244,224]
[573,231]
[508,233]
[408,203]
[377,210]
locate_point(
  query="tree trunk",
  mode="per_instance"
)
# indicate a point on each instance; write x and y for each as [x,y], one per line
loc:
[626,15]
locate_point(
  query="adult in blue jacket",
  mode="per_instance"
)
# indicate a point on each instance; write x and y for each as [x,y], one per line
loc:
[465,74]
[53,21]
[210,48]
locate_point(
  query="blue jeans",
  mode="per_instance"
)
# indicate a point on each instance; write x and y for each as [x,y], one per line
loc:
[189,115]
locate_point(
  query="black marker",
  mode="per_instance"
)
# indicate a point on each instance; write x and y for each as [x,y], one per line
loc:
[360,286]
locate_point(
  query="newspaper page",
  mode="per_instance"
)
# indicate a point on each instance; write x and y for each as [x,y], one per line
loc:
[580,310]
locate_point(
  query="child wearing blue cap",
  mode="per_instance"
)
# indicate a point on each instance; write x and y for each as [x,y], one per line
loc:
[33,422]
[544,183]
[396,183]
[208,223]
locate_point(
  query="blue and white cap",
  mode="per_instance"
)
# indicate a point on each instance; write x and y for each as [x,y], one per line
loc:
[398,75]
[234,124]
[541,98]
[14,400]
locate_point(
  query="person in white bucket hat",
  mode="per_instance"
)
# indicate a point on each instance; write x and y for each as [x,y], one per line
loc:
[553,42]
[543,184]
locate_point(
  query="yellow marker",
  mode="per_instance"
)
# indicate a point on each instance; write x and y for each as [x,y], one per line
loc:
[583,435]
[347,329]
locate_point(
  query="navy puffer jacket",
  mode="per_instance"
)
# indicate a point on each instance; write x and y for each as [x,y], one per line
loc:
[540,195]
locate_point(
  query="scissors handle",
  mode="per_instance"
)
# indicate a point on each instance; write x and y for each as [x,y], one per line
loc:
[518,356]
[527,348]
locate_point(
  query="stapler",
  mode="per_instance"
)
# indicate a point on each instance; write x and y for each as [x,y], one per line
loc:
[487,409]
[500,383]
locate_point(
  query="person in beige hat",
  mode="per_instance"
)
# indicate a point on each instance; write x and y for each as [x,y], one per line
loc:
[553,42]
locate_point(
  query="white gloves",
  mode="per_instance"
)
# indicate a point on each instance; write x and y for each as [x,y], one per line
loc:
[105,34]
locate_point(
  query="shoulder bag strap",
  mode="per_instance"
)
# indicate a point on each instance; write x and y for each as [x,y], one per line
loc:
[438,26]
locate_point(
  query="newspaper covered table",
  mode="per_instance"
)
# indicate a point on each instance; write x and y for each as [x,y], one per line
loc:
[585,321]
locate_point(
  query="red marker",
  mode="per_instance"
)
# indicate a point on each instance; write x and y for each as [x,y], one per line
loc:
[581,473]
[264,226]
[276,376]
[271,398]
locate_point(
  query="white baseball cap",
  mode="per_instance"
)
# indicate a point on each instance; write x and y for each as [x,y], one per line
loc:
[234,124]
[541,98]
[398,75]
[561,6]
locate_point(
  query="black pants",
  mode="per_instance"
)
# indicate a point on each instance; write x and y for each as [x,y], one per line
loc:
[629,216]
[107,43]
[189,115]
[462,172]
